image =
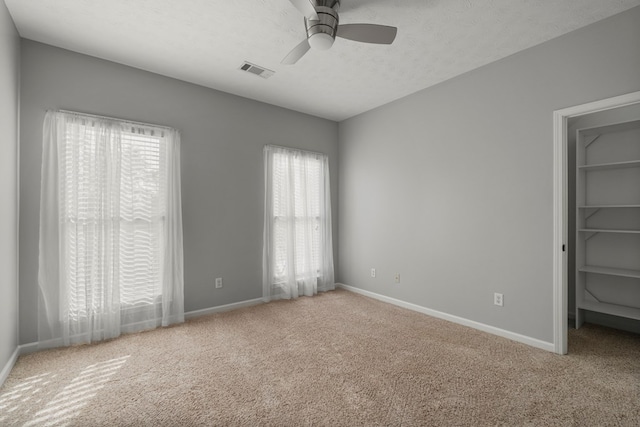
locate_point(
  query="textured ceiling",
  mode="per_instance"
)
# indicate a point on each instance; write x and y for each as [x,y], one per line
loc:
[206,41]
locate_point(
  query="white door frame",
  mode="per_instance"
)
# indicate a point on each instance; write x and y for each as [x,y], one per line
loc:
[560,197]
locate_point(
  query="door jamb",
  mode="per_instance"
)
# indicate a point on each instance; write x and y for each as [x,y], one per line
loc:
[560,197]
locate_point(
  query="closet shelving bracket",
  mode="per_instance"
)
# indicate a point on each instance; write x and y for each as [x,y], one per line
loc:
[589,212]
[590,140]
[590,234]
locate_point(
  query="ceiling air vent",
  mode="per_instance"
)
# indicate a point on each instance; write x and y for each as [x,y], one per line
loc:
[257,70]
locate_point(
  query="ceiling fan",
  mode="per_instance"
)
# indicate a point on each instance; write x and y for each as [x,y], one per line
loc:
[322,24]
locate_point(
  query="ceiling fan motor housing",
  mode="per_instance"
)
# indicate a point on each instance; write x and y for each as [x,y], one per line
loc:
[322,33]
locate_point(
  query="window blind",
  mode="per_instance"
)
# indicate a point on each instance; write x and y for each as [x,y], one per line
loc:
[113,231]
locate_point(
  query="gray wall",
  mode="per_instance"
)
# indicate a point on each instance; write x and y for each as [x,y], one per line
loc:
[9,106]
[222,172]
[453,186]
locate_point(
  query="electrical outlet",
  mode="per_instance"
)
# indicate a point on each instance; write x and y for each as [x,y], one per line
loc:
[397,277]
[373,272]
[498,299]
[218,282]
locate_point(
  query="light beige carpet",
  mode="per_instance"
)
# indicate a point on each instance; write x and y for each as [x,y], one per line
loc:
[338,359]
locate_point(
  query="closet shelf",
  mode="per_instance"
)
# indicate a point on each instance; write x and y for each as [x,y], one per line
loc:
[609,271]
[608,206]
[613,309]
[616,165]
[602,230]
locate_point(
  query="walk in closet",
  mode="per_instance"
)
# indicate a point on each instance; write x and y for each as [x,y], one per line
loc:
[607,276]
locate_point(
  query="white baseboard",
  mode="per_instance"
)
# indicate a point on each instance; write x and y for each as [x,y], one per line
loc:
[33,347]
[28,348]
[9,365]
[222,308]
[534,342]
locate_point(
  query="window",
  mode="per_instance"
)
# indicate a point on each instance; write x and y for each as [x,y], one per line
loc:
[301,176]
[111,229]
[298,253]
[123,213]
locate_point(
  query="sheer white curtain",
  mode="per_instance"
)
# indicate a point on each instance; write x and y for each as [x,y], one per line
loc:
[298,248]
[110,229]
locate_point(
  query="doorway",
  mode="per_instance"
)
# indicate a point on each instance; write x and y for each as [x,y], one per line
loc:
[560,207]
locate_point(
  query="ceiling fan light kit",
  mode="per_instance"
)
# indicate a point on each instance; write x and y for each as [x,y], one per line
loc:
[320,41]
[321,33]
[321,21]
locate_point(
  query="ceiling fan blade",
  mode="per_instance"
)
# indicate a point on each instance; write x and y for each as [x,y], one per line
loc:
[306,8]
[368,33]
[296,53]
